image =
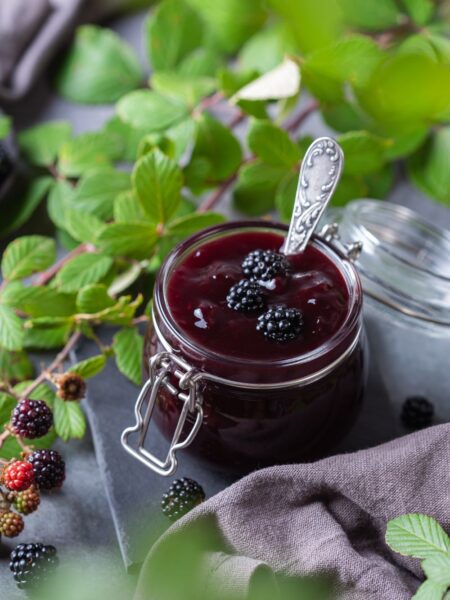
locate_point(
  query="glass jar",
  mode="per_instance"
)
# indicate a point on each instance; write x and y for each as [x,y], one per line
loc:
[405,272]
[241,414]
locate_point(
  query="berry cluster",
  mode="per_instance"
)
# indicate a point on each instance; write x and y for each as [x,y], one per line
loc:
[182,496]
[279,323]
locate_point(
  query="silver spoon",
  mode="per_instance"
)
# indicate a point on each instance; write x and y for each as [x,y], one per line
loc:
[319,175]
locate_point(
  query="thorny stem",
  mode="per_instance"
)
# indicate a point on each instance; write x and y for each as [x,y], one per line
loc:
[302,116]
[47,275]
[4,436]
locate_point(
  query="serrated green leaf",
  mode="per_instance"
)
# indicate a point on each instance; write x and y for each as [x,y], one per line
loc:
[47,339]
[7,405]
[420,11]
[173,31]
[93,299]
[182,87]
[89,367]
[122,312]
[189,224]
[127,208]
[345,116]
[363,151]
[68,419]
[202,62]
[99,67]
[129,346]
[150,111]
[182,135]
[157,181]
[272,144]
[281,82]
[380,183]
[135,240]
[437,568]
[372,16]
[27,255]
[285,196]
[217,149]
[82,270]
[82,226]
[266,49]
[127,136]
[28,198]
[12,449]
[97,190]
[349,188]
[406,144]
[254,194]
[11,329]
[88,151]
[40,144]
[429,168]
[42,392]
[5,126]
[40,301]
[417,535]
[15,366]
[429,590]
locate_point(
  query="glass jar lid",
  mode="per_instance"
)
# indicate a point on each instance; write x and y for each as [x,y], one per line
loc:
[405,259]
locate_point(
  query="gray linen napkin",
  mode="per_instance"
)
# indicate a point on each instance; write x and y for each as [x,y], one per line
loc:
[321,519]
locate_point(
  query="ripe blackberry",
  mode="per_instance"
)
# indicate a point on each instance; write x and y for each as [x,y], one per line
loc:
[31,419]
[26,502]
[11,524]
[182,496]
[49,468]
[281,324]
[31,564]
[264,265]
[245,296]
[18,476]
[6,166]
[71,386]
[417,412]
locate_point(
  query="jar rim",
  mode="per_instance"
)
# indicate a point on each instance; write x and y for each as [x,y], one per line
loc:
[342,338]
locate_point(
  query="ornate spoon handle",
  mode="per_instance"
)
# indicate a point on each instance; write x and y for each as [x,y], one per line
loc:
[319,174]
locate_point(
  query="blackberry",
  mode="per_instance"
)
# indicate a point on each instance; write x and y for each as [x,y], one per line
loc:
[32,564]
[71,386]
[6,166]
[281,324]
[31,419]
[182,496]
[49,468]
[417,412]
[11,524]
[264,265]
[26,502]
[245,296]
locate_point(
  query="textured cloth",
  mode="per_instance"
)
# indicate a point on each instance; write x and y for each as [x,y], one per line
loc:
[31,31]
[321,519]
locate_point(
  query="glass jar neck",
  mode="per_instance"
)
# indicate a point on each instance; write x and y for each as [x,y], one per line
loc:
[255,371]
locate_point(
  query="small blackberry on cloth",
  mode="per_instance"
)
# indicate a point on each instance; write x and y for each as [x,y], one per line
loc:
[32,564]
[183,495]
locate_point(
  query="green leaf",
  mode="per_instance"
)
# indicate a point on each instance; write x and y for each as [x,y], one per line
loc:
[345,116]
[99,67]
[48,322]
[39,301]
[437,568]
[349,188]
[11,330]
[15,366]
[42,392]
[372,16]
[281,82]
[29,196]
[88,151]
[68,419]
[157,181]
[122,312]
[182,87]
[150,111]
[266,49]
[202,62]
[40,144]
[182,136]
[363,151]
[420,11]
[93,298]
[417,535]
[216,149]
[97,190]
[134,240]
[129,346]
[27,255]
[82,270]
[254,194]
[89,367]
[189,224]
[272,144]
[7,405]
[285,196]
[379,184]
[429,168]
[128,208]
[127,136]
[406,144]
[173,30]
[429,590]
[47,339]
[5,126]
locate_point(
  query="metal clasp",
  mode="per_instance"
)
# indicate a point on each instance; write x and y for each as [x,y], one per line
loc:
[330,234]
[162,366]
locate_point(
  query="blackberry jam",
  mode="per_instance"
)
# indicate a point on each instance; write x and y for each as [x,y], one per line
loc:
[235,397]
